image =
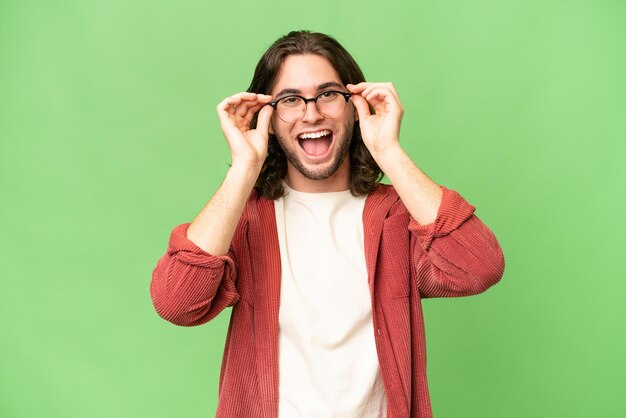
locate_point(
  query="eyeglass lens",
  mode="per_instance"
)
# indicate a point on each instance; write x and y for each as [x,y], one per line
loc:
[329,104]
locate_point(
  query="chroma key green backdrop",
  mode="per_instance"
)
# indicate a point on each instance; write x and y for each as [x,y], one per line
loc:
[109,138]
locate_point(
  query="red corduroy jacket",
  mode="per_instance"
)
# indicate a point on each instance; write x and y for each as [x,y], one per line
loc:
[456,255]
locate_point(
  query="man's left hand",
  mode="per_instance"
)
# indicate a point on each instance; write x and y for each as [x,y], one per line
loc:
[380,130]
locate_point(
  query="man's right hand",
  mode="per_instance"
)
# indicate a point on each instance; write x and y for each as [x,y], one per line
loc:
[248,147]
[213,228]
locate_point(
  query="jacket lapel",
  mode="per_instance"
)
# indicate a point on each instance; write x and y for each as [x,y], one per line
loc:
[264,245]
[377,205]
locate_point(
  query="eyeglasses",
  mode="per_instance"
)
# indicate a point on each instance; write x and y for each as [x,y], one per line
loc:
[330,104]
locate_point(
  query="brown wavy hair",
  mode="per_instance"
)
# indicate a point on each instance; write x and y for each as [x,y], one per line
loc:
[365,175]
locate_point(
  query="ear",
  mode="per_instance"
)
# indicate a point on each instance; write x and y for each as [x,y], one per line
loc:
[271,128]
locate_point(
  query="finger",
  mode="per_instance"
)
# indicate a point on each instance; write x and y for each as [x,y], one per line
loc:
[366,87]
[223,112]
[246,111]
[357,88]
[226,112]
[231,103]
[361,105]
[375,86]
[392,88]
[235,99]
[243,108]
[239,109]
[246,118]
[381,99]
[252,105]
[263,120]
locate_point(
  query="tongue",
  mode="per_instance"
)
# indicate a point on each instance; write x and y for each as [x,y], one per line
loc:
[316,146]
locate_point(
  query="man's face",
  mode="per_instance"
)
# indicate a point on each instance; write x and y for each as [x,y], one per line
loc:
[316,146]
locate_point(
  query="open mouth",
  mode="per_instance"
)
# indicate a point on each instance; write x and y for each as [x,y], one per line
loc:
[316,144]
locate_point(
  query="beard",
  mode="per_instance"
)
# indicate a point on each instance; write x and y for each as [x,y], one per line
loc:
[342,147]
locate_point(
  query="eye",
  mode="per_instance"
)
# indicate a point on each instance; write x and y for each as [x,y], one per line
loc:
[327,96]
[290,101]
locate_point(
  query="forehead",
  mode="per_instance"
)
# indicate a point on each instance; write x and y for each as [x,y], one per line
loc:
[305,73]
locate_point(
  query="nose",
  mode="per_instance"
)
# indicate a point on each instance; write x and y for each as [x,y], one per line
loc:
[311,114]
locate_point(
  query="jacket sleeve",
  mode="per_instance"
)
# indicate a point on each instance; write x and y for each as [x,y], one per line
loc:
[457,254]
[190,286]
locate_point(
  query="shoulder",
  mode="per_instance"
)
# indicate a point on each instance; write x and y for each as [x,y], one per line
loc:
[386,199]
[258,208]
[382,205]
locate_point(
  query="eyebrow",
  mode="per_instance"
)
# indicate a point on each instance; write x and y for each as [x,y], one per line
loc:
[319,88]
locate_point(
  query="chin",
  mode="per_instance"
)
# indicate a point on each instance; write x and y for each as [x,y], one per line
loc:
[319,171]
[323,159]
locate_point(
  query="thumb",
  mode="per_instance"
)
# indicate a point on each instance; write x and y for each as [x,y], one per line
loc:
[263,120]
[362,107]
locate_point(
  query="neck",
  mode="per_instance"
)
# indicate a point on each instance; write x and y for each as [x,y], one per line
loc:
[338,182]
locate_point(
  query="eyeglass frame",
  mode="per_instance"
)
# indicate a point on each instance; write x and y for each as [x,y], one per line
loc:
[274,103]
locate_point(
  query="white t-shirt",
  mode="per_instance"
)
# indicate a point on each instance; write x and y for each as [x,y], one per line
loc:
[328,365]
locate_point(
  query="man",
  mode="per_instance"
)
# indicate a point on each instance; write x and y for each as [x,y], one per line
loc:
[325,268]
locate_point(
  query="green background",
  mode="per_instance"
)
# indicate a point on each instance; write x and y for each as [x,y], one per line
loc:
[109,138]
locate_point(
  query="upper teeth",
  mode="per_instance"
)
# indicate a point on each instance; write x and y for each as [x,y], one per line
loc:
[313,135]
